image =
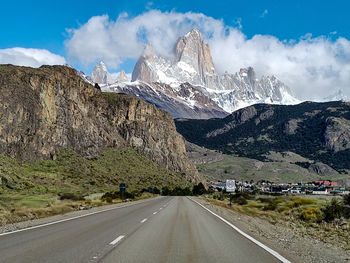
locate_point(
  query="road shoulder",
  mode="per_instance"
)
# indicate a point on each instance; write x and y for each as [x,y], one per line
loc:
[280,238]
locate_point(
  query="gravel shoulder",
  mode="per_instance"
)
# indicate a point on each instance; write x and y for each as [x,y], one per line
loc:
[284,240]
[46,220]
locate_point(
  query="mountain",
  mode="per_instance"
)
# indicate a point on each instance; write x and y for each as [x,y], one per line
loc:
[339,95]
[100,74]
[46,110]
[184,101]
[122,77]
[317,131]
[192,65]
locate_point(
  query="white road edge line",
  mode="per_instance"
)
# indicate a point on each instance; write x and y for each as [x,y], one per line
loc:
[115,241]
[271,251]
[144,220]
[161,208]
[67,219]
[155,212]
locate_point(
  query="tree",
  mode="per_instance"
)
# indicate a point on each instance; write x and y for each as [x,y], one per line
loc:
[346,201]
[199,189]
[333,210]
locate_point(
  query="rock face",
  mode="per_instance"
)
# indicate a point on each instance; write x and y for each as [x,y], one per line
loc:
[51,108]
[122,77]
[337,134]
[322,169]
[191,52]
[100,74]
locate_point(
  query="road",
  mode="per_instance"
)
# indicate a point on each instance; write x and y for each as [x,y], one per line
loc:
[166,229]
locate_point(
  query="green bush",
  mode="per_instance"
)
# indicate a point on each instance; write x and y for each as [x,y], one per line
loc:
[332,210]
[299,201]
[346,199]
[240,200]
[118,194]
[312,214]
[199,189]
[271,203]
[71,196]
[108,199]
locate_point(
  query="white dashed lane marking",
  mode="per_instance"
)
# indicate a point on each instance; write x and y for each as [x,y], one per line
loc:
[115,241]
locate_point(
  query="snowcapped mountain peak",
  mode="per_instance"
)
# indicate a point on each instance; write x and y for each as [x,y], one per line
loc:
[102,65]
[100,74]
[193,51]
[336,96]
[122,77]
[148,51]
[193,65]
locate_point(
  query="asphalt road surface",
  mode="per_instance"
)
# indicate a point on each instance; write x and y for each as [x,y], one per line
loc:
[166,229]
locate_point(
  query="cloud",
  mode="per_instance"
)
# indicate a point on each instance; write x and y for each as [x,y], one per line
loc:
[29,57]
[115,41]
[263,14]
[313,67]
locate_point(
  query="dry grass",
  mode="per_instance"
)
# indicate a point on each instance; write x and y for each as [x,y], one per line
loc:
[289,213]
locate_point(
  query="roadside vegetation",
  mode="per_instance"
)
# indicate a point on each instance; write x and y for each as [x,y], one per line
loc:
[30,190]
[325,220]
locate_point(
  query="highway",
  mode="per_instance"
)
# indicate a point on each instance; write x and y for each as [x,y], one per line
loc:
[166,229]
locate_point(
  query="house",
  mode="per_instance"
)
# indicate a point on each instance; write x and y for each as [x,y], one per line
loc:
[320,191]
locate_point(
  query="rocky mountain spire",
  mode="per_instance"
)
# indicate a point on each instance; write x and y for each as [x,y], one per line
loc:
[122,77]
[100,74]
[192,50]
[144,68]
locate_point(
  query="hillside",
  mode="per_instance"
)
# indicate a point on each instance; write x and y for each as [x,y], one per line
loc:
[46,110]
[32,189]
[316,131]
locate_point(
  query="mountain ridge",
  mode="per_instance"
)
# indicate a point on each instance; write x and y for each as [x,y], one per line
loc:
[317,131]
[193,64]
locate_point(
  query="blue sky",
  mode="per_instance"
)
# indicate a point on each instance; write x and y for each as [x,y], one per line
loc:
[44,24]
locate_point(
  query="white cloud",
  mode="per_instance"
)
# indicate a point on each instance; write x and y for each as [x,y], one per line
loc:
[29,57]
[313,67]
[264,13]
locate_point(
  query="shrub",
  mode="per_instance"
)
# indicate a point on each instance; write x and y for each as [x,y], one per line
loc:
[71,196]
[332,210]
[346,199]
[199,189]
[108,199]
[299,201]
[240,200]
[273,203]
[311,214]
[118,194]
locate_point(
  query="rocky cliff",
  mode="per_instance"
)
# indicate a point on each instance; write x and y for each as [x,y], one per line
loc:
[51,108]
